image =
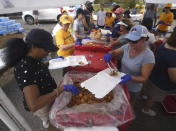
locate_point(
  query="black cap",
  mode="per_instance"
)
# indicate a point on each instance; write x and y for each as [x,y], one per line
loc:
[127,12]
[41,39]
[80,11]
[88,3]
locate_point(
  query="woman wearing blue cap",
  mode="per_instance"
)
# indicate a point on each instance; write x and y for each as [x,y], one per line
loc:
[33,77]
[137,61]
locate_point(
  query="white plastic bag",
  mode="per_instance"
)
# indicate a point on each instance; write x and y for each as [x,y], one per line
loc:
[114,113]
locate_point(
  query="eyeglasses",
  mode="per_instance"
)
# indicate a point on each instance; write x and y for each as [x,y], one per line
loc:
[134,42]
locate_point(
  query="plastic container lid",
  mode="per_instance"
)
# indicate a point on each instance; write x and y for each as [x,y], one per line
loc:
[102,83]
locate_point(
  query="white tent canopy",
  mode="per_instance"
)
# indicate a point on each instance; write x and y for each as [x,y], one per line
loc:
[10,6]
[161,1]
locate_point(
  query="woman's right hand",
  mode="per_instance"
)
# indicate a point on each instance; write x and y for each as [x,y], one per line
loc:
[107,57]
[74,90]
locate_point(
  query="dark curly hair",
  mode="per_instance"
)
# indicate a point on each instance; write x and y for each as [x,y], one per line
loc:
[79,11]
[127,12]
[148,23]
[14,50]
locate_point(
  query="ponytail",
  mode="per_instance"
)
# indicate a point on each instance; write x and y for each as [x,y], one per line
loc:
[14,50]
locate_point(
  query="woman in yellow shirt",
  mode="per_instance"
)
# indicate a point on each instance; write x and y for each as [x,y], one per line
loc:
[64,39]
[109,19]
[165,20]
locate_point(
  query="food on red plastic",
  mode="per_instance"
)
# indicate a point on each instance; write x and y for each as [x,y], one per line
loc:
[81,63]
[95,35]
[86,97]
[113,73]
[90,43]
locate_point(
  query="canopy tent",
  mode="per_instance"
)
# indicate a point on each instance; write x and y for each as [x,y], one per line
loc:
[10,6]
[161,1]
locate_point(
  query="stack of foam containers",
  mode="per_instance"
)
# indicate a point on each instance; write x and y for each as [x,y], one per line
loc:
[8,26]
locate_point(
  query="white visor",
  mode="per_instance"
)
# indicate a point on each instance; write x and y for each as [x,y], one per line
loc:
[121,23]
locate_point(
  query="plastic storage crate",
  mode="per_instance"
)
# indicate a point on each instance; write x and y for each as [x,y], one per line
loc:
[169,105]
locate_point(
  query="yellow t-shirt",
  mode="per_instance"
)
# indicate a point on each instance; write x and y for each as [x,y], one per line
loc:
[64,37]
[167,18]
[142,11]
[109,21]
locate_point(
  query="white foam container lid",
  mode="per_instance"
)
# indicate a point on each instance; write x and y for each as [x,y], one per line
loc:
[2,64]
[67,61]
[102,83]
[94,128]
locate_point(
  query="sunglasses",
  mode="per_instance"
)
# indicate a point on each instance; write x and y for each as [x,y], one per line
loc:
[134,42]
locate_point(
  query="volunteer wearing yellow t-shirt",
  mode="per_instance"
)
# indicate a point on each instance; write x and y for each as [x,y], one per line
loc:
[64,39]
[165,20]
[109,19]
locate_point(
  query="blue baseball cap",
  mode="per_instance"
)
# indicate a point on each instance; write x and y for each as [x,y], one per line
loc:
[137,32]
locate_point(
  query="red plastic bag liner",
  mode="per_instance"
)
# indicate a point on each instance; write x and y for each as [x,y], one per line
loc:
[116,113]
[94,56]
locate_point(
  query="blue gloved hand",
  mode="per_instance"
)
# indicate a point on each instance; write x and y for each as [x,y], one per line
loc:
[107,27]
[108,35]
[95,27]
[107,57]
[79,40]
[78,43]
[87,33]
[125,79]
[108,40]
[161,22]
[87,38]
[74,90]
[57,57]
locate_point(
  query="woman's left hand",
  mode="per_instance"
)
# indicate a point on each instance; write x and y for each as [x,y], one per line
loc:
[125,79]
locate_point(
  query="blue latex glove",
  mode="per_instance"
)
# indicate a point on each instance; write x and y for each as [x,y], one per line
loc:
[57,57]
[96,27]
[74,90]
[107,27]
[87,33]
[161,22]
[79,40]
[125,79]
[78,43]
[87,38]
[107,57]
[108,40]
[108,35]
